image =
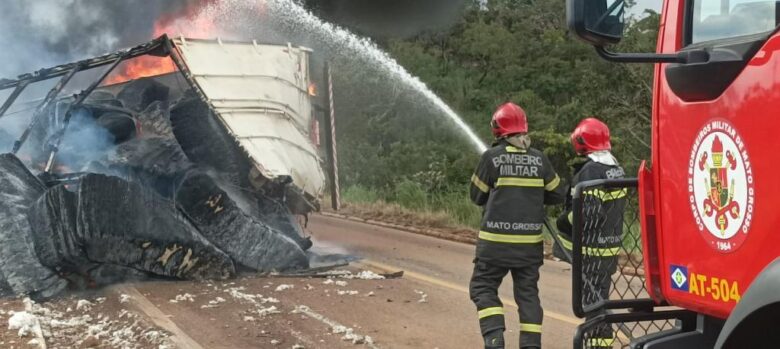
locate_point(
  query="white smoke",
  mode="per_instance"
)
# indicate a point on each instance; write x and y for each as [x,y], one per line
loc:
[43,33]
[85,141]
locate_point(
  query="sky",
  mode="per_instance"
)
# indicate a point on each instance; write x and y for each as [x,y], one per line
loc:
[655,5]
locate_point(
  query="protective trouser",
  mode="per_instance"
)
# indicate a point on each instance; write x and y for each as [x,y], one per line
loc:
[484,293]
[597,276]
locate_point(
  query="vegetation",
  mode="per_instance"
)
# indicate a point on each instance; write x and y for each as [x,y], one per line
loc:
[395,147]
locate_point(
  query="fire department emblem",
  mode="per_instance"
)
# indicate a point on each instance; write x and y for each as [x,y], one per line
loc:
[720,184]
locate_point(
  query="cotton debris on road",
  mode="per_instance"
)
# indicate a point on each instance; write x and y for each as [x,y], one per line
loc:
[24,322]
[51,327]
[423,296]
[84,305]
[213,303]
[365,275]
[182,298]
[265,311]
[238,294]
[346,274]
[283,287]
[123,298]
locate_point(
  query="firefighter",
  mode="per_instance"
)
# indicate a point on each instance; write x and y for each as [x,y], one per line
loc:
[512,183]
[603,240]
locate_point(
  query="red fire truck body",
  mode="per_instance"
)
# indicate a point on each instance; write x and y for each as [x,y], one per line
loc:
[719,269]
[707,196]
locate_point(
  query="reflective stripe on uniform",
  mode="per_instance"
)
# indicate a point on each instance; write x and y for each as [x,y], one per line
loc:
[480,184]
[553,183]
[566,243]
[601,342]
[591,251]
[511,238]
[535,328]
[513,149]
[607,195]
[490,312]
[571,217]
[601,252]
[520,182]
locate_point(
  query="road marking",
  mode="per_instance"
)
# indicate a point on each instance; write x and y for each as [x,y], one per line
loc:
[463,289]
[178,337]
[330,323]
[37,331]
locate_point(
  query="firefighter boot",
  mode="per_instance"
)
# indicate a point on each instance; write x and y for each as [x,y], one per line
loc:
[494,339]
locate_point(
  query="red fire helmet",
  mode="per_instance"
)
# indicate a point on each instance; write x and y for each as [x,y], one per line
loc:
[509,119]
[589,136]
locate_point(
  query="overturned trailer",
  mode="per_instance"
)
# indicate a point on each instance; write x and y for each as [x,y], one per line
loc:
[177,158]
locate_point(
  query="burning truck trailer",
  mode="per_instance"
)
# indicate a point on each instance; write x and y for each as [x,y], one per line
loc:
[199,171]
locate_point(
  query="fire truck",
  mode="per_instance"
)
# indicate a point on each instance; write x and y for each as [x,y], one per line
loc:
[699,265]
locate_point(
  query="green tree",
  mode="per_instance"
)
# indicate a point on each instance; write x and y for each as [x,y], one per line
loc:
[509,50]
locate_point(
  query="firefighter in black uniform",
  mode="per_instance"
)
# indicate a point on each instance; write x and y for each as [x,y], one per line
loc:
[602,241]
[512,183]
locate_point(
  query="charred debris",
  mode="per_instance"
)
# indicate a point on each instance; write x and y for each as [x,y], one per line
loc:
[105,183]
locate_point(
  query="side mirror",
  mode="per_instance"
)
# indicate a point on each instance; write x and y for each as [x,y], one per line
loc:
[599,22]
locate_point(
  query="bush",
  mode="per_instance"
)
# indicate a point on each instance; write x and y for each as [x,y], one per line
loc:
[439,208]
[410,194]
[359,194]
[458,206]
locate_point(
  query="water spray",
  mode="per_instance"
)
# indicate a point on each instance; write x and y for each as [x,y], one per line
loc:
[297,20]
[368,50]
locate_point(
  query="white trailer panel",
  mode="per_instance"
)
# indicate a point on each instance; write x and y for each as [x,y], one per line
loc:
[261,95]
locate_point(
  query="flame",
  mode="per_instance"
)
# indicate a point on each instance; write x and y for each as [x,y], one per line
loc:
[312,89]
[198,19]
[140,67]
[194,21]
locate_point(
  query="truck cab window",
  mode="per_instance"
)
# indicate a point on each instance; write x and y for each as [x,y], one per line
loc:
[714,20]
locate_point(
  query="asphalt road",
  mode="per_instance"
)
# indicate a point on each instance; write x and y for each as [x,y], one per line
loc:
[443,269]
[427,308]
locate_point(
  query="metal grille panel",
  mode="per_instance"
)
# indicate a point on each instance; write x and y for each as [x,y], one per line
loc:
[608,269]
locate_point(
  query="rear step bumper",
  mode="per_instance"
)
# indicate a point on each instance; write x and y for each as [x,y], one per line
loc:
[690,330]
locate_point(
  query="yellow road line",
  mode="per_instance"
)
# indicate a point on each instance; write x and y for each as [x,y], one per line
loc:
[464,289]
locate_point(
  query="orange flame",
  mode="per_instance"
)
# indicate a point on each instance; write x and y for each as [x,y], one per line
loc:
[190,22]
[196,20]
[140,67]
[312,89]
